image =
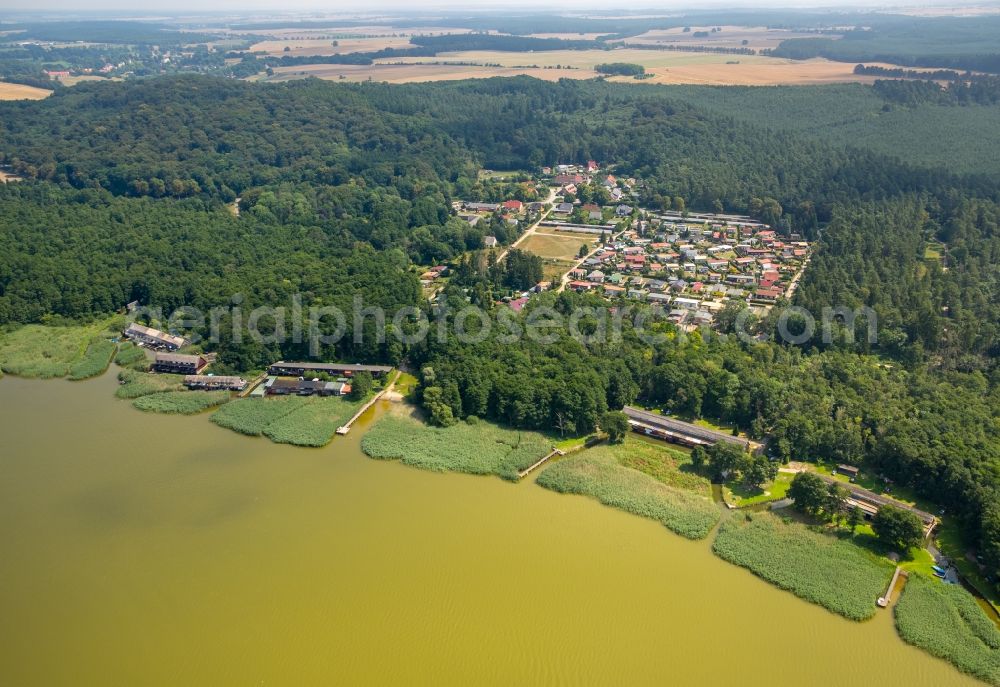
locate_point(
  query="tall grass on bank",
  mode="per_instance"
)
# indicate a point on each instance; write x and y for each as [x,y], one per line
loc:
[181,402]
[251,416]
[43,352]
[135,384]
[478,448]
[945,621]
[297,420]
[817,567]
[598,474]
[94,361]
[314,423]
[130,355]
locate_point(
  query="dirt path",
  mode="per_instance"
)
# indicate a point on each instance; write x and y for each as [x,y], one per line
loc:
[530,230]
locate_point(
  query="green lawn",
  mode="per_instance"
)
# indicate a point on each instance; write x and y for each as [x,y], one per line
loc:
[479,448]
[742,496]
[817,567]
[598,473]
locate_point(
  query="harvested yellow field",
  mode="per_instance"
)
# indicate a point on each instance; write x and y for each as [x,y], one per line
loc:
[410,73]
[16,91]
[756,37]
[664,67]
[312,47]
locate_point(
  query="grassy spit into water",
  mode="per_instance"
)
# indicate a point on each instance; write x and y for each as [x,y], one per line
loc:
[945,621]
[302,421]
[820,568]
[94,361]
[181,402]
[599,474]
[479,448]
[135,384]
[130,355]
[46,352]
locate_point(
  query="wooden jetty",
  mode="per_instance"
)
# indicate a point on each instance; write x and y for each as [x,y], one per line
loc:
[884,601]
[539,462]
[388,387]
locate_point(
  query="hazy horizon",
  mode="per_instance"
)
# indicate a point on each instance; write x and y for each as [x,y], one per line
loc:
[324,7]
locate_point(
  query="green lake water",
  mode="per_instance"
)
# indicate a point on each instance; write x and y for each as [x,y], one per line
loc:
[140,549]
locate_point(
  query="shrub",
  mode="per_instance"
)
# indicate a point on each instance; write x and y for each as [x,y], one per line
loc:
[181,402]
[945,620]
[820,568]
[478,448]
[596,473]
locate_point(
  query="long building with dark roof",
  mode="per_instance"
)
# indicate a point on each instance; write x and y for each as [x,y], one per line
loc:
[678,431]
[292,369]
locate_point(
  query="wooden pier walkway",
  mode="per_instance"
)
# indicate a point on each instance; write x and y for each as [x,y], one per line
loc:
[884,601]
[539,462]
[388,387]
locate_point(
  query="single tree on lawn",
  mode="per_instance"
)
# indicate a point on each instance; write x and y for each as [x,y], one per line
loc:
[759,470]
[361,385]
[854,518]
[726,460]
[897,528]
[615,424]
[809,493]
[836,497]
[698,457]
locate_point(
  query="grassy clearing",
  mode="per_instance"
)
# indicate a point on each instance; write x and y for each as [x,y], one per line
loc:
[46,352]
[135,384]
[251,416]
[555,247]
[130,355]
[817,567]
[741,496]
[94,361]
[312,424]
[664,462]
[598,474]
[945,620]
[181,402]
[480,448]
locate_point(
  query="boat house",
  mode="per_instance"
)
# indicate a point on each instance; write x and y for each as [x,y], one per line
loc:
[179,364]
[154,338]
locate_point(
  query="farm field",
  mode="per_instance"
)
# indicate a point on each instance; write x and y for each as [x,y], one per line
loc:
[16,91]
[665,68]
[757,37]
[312,47]
[557,246]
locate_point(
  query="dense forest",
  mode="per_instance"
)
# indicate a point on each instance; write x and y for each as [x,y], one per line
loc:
[343,189]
